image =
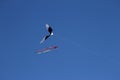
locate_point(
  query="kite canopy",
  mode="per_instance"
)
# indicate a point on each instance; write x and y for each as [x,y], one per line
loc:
[50,30]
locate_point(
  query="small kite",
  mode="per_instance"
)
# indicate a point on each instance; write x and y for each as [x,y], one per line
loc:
[50,30]
[46,49]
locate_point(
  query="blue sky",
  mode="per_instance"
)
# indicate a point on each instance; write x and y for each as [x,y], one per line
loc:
[87,33]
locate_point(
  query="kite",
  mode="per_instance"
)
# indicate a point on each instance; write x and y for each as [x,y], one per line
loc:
[50,30]
[46,49]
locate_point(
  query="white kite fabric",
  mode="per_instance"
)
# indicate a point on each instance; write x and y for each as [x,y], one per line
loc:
[47,49]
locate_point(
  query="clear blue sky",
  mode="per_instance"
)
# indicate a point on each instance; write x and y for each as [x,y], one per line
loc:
[87,33]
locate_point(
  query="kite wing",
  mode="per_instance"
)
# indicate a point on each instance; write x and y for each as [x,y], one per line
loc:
[46,49]
[50,30]
[47,36]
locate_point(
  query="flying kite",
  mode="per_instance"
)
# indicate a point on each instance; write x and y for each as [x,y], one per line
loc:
[50,30]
